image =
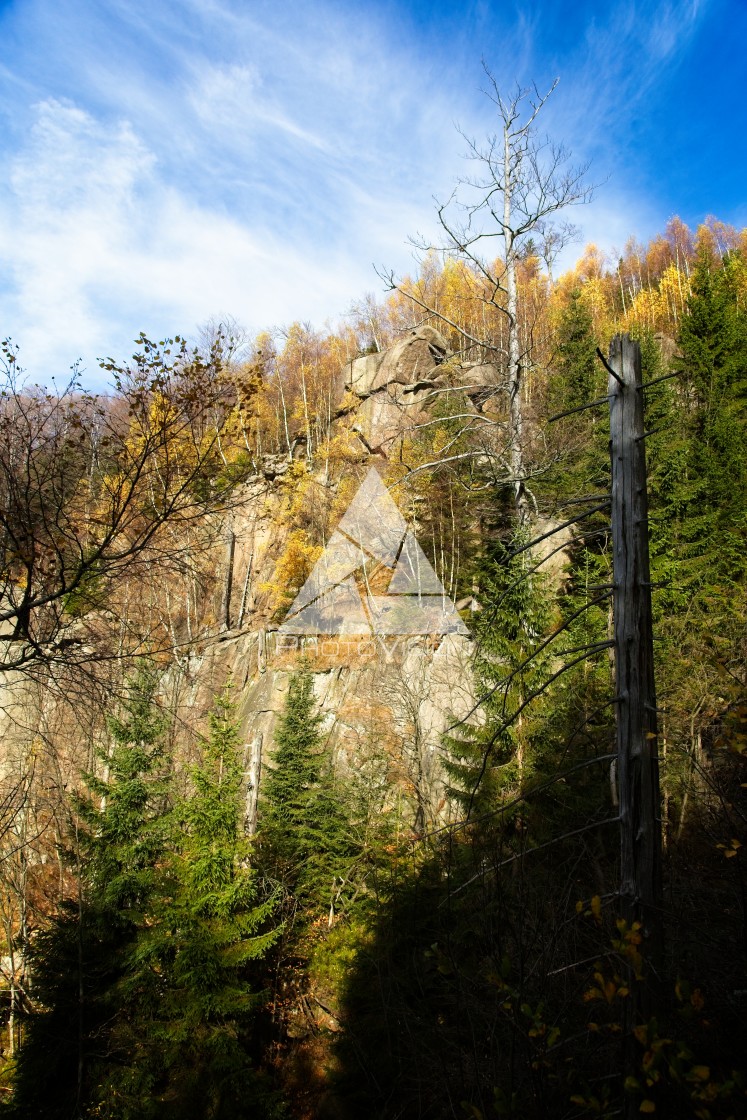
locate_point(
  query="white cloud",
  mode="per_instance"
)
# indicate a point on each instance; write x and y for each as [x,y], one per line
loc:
[230,99]
[102,247]
[261,181]
[257,160]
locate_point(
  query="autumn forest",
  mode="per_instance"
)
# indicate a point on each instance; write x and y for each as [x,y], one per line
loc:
[247,878]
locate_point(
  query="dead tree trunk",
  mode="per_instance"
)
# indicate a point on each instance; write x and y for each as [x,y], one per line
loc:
[252,785]
[225,609]
[637,758]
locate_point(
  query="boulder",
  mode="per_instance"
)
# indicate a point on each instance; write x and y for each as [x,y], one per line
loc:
[363,373]
[668,348]
[480,380]
[379,421]
[413,358]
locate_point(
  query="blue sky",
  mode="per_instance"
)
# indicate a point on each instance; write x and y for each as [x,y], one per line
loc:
[165,163]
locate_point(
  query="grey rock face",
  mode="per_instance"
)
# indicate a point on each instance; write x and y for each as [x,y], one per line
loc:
[414,358]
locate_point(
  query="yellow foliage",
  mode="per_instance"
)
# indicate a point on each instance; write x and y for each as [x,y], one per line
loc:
[292,569]
[344,495]
[674,288]
[660,307]
[646,310]
[337,450]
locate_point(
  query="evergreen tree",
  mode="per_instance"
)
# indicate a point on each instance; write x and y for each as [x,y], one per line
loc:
[304,828]
[576,378]
[494,756]
[713,341]
[697,486]
[577,368]
[190,993]
[126,817]
[147,983]
[81,958]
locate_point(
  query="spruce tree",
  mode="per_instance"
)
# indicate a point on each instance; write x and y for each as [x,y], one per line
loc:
[713,341]
[191,993]
[576,368]
[697,486]
[148,984]
[80,960]
[576,378]
[486,761]
[304,828]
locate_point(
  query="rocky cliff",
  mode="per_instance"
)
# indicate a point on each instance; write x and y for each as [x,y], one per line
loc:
[386,702]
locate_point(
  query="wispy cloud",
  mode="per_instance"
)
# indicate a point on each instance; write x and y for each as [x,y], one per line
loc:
[97,241]
[165,164]
[261,181]
[230,99]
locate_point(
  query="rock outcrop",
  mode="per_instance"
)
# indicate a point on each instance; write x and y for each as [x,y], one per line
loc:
[395,386]
[385,705]
[414,358]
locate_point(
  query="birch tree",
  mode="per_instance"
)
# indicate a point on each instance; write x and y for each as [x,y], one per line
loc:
[521,184]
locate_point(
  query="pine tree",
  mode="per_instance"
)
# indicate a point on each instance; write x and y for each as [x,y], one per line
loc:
[81,958]
[191,991]
[486,761]
[304,829]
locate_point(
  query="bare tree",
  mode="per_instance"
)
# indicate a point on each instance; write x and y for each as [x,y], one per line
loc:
[521,185]
[226,337]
